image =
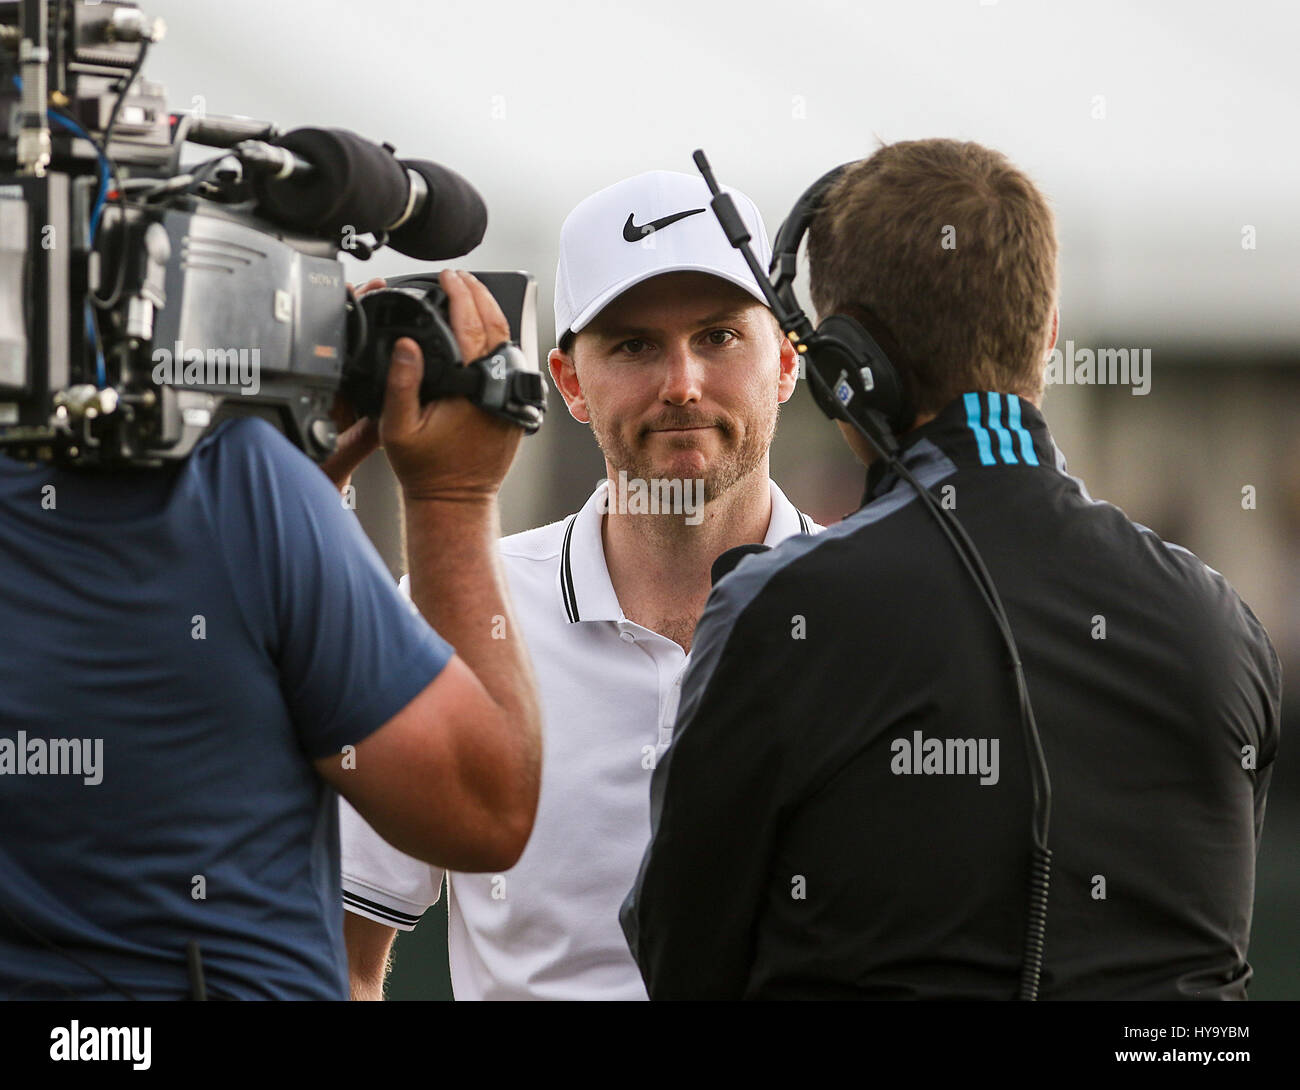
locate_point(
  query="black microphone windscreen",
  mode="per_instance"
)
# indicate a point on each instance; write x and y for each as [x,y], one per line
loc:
[451,222]
[728,560]
[356,183]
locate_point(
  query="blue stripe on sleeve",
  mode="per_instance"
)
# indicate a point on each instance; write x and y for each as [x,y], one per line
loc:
[1004,436]
[981,435]
[1026,440]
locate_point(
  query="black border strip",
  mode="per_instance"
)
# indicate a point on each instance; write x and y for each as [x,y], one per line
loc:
[566,576]
[379,910]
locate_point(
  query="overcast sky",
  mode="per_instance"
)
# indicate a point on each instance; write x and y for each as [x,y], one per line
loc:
[1159,130]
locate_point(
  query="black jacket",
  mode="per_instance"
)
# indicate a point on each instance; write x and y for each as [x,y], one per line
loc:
[845,808]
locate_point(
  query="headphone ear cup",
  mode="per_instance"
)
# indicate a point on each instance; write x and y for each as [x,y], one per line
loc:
[875,382]
[822,365]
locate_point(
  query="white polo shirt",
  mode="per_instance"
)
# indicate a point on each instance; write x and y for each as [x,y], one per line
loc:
[548,927]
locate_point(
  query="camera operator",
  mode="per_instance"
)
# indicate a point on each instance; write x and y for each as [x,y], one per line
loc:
[845,811]
[194,659]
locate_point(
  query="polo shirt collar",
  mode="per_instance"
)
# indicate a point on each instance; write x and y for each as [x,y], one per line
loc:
[582,580]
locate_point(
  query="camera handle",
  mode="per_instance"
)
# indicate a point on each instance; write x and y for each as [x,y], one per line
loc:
[499,382]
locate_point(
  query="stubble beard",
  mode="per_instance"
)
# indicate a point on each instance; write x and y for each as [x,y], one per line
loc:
[732,464]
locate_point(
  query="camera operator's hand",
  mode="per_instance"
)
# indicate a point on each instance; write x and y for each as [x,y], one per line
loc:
[465,755]
[449,448]
[358,439]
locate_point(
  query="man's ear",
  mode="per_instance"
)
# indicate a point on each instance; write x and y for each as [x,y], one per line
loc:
[789,374]
[565,376]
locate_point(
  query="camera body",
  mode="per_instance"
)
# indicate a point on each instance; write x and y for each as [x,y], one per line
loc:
[142,302]
[505,381]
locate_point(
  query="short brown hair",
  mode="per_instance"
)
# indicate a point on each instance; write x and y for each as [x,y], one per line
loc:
[947,250]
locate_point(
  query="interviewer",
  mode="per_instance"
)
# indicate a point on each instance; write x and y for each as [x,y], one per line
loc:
[845,810]
[226,639]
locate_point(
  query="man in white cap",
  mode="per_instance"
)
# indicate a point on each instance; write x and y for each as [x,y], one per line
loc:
[667,349]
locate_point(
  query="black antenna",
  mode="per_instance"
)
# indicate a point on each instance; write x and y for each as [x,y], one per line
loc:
[793,321]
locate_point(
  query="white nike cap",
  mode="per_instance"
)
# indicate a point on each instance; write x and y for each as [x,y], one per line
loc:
[655,223]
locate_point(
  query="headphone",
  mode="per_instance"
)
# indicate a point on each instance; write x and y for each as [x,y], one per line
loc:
[850,375]
[853,379]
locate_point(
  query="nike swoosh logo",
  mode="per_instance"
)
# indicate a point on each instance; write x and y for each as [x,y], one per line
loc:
[634,233]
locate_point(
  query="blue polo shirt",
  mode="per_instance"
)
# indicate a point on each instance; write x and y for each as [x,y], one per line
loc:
[176,647]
